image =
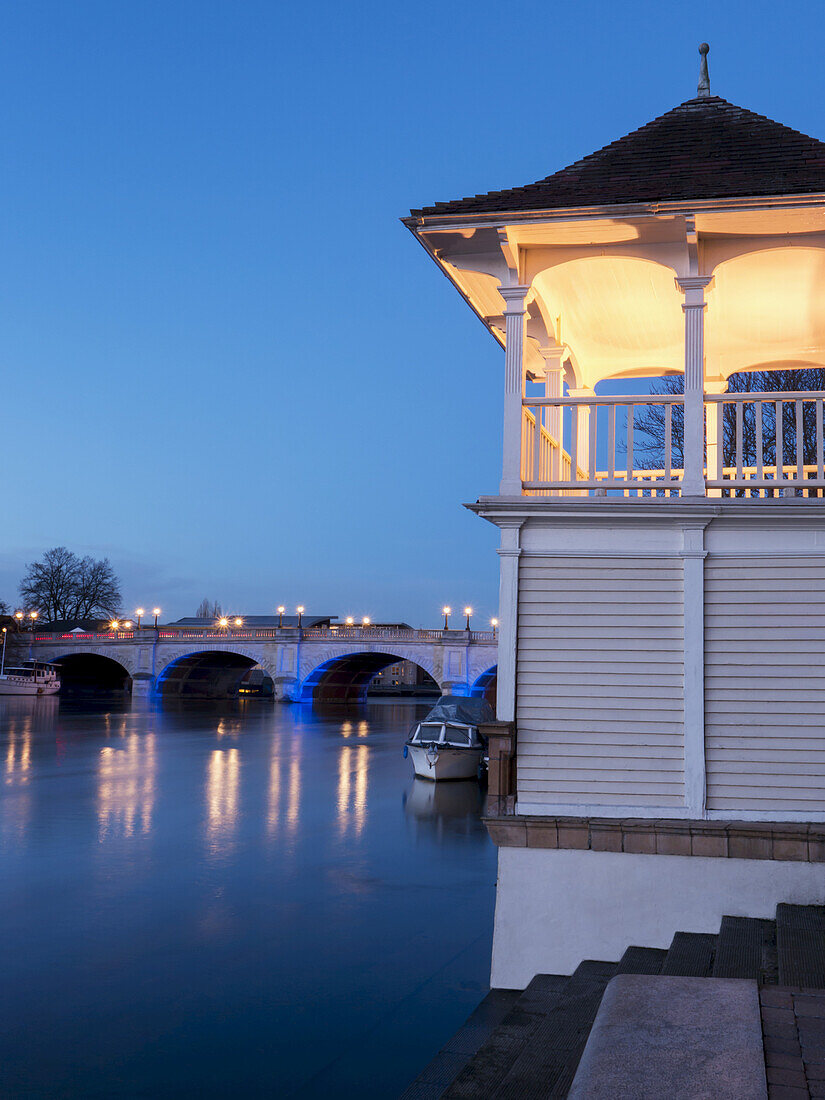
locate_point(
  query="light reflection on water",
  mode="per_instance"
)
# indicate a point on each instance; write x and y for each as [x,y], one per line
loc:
[126,786]
[222,798]
[298,904]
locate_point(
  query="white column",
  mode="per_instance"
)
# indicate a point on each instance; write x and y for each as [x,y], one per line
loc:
[694,305]
[582,414]
[713,423]
[514,314]
[553,387]
[509,553]
[693,554]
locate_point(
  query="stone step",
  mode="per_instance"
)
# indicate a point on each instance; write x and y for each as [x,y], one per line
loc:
[547,1063]
[482,1074]
[746,948]
[800,945]
[690,955]
[683,1038]
[454,1055]
[642,960]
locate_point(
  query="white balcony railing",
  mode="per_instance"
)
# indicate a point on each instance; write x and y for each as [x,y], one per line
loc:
[756,445]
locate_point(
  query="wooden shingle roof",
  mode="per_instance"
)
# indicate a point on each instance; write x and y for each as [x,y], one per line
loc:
[706,148]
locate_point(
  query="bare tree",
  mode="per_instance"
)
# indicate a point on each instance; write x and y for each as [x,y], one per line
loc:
[49,585]
[64,586]
[207,610]
[649,426]
[98,590]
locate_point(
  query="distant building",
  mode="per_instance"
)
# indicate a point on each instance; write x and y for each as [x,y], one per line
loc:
[402,678]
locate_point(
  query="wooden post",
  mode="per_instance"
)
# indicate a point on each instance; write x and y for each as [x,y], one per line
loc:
[501,773]
[514,314]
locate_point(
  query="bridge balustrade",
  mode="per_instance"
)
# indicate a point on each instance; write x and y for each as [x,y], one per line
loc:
[353,633]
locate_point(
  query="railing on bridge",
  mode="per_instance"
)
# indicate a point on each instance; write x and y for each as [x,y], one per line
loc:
[341,633]
[756,445]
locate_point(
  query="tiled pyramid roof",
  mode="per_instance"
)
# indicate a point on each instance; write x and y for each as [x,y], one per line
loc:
[705,148]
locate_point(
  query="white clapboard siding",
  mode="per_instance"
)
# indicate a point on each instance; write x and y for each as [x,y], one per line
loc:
[765,684]
[600,682]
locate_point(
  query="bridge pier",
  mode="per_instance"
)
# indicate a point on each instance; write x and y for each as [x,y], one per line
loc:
[143,684]
[287,689]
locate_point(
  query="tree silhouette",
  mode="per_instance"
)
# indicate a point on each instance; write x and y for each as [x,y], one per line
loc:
[64,586]
[649,425]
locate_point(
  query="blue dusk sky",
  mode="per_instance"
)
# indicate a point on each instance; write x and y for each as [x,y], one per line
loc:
[226,365]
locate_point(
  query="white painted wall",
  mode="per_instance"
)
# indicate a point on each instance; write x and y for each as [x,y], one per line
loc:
[600,678]
[555,908]
[670,657]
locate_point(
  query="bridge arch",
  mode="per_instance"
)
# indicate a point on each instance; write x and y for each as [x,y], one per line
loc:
[484,685]
[90,671]
[343,677]
[208,673]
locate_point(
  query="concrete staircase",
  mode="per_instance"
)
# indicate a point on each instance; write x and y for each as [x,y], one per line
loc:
[530,1046]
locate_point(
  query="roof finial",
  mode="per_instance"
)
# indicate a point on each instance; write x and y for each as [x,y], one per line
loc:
[703,87]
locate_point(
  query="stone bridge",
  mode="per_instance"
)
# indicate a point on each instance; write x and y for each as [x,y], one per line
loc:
[332,663]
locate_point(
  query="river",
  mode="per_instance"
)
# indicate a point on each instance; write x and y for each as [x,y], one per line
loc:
[231,899]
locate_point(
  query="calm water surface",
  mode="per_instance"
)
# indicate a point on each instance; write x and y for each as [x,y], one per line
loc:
[232,899]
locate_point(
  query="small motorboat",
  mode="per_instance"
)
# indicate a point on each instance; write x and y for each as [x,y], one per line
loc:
[31,678]
[446,744]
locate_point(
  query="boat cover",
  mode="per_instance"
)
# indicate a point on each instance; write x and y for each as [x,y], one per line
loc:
[463,711]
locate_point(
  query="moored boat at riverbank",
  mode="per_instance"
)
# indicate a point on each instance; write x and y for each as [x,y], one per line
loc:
[446,744]
[31,678]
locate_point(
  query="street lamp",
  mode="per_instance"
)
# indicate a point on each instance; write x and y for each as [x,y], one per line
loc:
[281,611]
[494,625]
[446,611]
[3,658]
[156,612]
[33,616]
[223,624]
[365,621]
[468,612]
[19,616]
[350,620]
[300,613]
[140,613]
[127,624]
[239,622]
[113,625]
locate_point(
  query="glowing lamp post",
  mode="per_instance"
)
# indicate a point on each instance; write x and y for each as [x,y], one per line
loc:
[19,616]
[281,611]
[33,616]
[494,625]
[446,611]
[156,612]
[300,616]
[126,624]
[365,621]
[223,624]
[3,658]
[468,612]
[113,625]
[140,613]
[350,621]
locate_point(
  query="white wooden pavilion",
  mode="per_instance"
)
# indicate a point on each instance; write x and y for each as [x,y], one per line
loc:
[660,756]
